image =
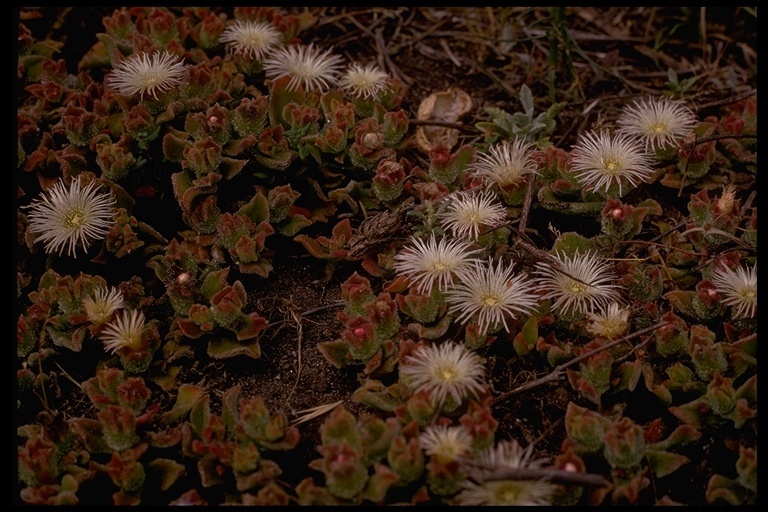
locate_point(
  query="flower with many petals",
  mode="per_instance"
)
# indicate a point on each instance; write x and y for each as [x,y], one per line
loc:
[364,82]
[468,214]
[479,489]
[505,163]
[657,122]
[306,66]
[251,39]
[425,263]
[70,216]
[125,331]
[738,288]
[446,443]
[611,322]
[600,160]
[447,372]
[491,294]
[145,73]
[579,284]
[100,306]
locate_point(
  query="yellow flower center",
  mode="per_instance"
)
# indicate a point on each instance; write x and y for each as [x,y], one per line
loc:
[489,300]
[447,374]
[471,217]
[576,288]
[74,218]
[253,40]
[152,79]
[612,165]
[658,128]
[749,295]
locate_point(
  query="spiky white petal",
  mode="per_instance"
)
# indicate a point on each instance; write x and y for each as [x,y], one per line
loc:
[364,81]
[66,217]
[143,73]
[425,263]
[252,39]
[505,163]
[446,443]
[469,213]
[738,288]
[610,322]
[100,306]
[585,284]
[124,331]
[658,122]
[599,160]
[479,490]
[491,294]
[445,370]
[306,66]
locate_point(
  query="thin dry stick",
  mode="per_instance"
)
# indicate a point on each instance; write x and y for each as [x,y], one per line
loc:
[434,122]
[727,101]
[557,373]
[381,46]
[696,142]
[299,331]
[526,205]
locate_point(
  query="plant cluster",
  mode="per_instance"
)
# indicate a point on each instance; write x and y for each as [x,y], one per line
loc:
[159,182]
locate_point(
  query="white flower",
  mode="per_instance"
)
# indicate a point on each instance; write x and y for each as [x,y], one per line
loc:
[124,331]
[584,284]
[72,215]
[510,492]
[306,66]
[491,294]
[147,74]
[445,371]
[425,263]
[738,288]
[252,39]
[468,212]
[505,163]
[657,122]
[364,82]
[611,322]
[446,443]
[100,306]
[601,160]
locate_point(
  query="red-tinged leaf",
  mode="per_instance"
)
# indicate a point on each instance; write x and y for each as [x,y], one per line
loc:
[317,248]
[226,348]
[230,167]
[530,330]
[173,147]
[690,413]
[664,463]
[682,435]
[187,397]
[165,439]
[170,471]
[399,285]
[189,498]
[342,231]
[379,483]
[336,352]
[371,266]
[214,282]
[522,347]
[725,489]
